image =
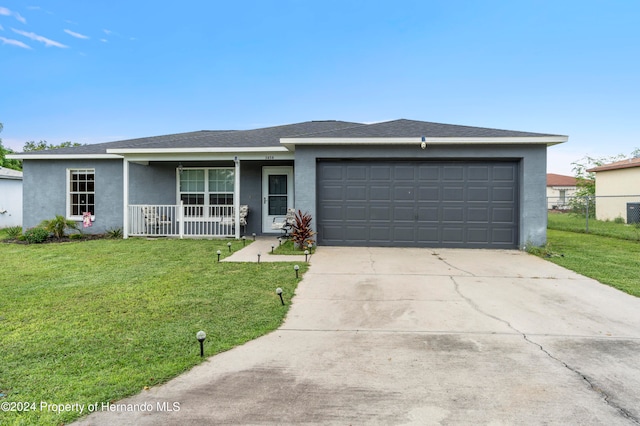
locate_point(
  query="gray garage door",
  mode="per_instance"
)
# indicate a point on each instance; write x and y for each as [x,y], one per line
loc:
[425,204]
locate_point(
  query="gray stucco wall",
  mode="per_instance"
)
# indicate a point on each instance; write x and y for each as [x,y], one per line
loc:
[45,191]
[532,164]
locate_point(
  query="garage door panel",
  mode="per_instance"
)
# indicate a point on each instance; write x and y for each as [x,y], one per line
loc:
[403,234]
[453,173]
[453,214]
[477,214]
[505,194]
[418,203]
[404,213]
[478,194]
[404,193]
[452,193]
[478,173]
[477,235]
[356,193]
[380,172]
[354,213]
[428,214]
[428,193]
[356,173]
[332,213]
[380,193]
[380,213]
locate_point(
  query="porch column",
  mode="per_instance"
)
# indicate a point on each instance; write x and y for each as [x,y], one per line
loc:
[236,198]
[125,198]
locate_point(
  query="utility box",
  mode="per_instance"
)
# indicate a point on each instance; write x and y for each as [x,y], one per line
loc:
[633,212]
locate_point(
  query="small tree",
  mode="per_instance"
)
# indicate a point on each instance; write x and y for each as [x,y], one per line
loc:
[585,197]
[301,231]
[59,226]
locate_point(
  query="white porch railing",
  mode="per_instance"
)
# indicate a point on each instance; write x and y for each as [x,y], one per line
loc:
[148,220]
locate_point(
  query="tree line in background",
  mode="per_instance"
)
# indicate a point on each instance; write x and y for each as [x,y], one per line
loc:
[28,146]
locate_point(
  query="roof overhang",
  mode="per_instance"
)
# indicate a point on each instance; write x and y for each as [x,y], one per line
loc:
[291,143]
[63,156]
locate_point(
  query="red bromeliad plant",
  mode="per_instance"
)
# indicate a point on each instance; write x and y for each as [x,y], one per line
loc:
[301,231]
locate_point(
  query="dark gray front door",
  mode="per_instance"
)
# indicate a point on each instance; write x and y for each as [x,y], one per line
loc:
[409,203]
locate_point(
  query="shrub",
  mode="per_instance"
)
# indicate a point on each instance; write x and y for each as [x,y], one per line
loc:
[76,236]
[36,235]
[618,219]
[59,225]
[114,233]
[301,232]
[13,232]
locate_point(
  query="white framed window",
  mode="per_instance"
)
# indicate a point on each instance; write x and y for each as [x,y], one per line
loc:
[200,189]
[81,193]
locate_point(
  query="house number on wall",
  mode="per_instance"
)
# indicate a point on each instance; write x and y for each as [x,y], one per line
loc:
[269,157]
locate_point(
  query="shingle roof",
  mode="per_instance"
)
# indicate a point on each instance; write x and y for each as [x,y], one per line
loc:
[404,128]
[560,180]
[10,174]
[624,164]
[264,137]
[270,136]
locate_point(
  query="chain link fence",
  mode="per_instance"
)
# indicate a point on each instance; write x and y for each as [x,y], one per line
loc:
[614,208]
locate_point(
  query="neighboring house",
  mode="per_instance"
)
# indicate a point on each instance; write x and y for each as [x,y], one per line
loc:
[396,183]
[560,189]
[10,197]
[618,190]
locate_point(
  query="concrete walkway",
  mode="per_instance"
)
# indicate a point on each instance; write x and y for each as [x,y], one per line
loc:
[418,337]
[262,245]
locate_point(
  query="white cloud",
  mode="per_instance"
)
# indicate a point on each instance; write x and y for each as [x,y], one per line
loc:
[19,17]
[33,36]
[107,32]
[104,40]
[1,28]
[76,35]
[6,12]
[14,43]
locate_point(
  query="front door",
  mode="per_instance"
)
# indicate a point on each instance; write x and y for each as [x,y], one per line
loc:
[277,195]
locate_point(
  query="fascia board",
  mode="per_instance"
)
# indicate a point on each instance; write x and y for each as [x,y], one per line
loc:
[547,140]
[64,157]
[126,151]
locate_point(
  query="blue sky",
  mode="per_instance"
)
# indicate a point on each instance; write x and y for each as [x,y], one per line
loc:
[98,71]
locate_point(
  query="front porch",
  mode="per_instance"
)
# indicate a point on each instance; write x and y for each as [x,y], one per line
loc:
[146,220]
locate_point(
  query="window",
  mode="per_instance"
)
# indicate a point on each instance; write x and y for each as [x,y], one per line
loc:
[81,196]
[204,188]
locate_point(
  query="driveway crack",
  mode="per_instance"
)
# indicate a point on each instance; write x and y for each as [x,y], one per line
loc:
[605,397]
[440,258]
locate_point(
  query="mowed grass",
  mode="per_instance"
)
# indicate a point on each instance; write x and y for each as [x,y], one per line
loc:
[612,261]
[575,223]
[96,321]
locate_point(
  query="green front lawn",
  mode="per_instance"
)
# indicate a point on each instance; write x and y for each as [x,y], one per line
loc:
[609,253]
[96,321]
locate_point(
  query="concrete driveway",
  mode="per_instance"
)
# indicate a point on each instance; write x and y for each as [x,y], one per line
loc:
[417,337]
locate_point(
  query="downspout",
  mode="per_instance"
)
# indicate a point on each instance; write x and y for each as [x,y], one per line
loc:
[236,198]
[125,198]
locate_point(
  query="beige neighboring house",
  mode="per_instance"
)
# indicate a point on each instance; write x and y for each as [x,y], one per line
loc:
[10,197]
[560,189]
[618,190]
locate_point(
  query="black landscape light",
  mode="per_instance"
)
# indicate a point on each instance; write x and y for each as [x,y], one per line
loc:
[306,255]
[259,254]
[254,236]
[296,268]
[272,247]
[279,242]
[279,293]
[218,253]
[229,245]
[201,335]
[244,241]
